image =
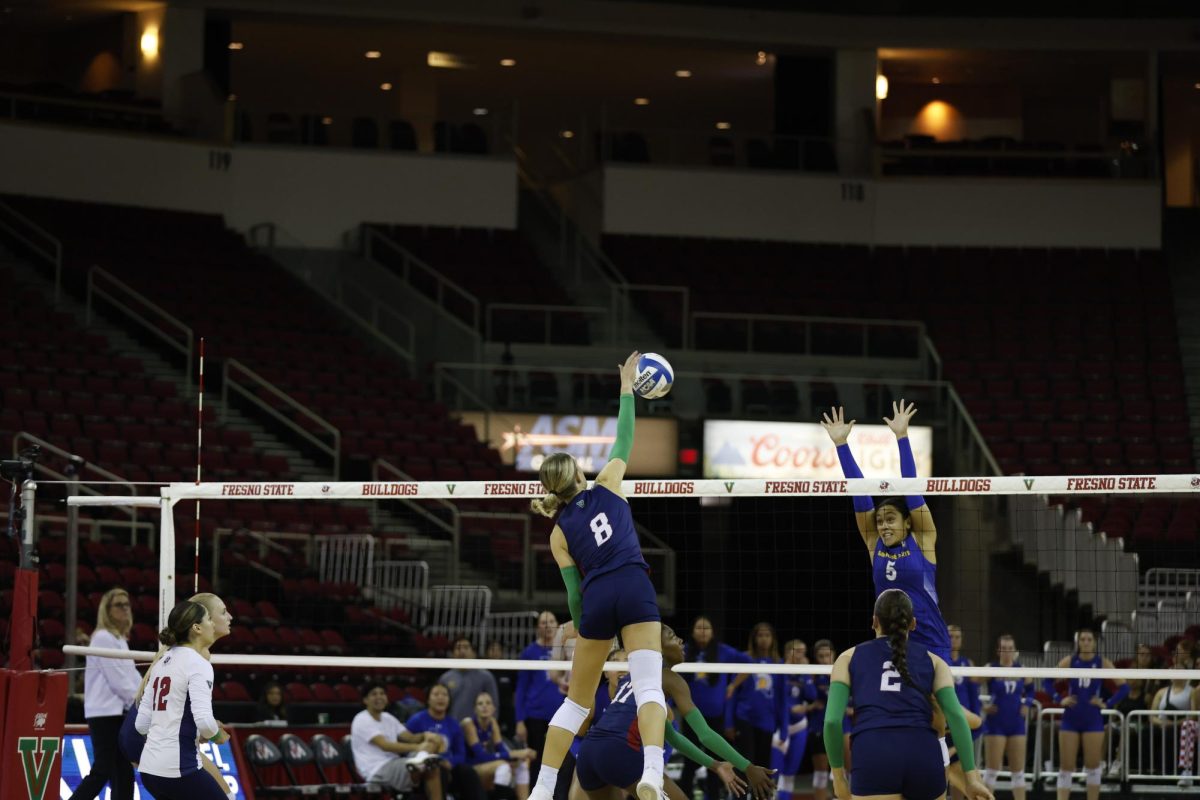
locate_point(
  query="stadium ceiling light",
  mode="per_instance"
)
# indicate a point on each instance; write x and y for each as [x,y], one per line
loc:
[149,43]
[439,60]
[881,87]
[567,134]
[373,54]
[936,80]
[641,101]
[387,87]
[237,46]
[761,58]
[326,120]
[724,126]
[508,62]
[683,73]
[480,112]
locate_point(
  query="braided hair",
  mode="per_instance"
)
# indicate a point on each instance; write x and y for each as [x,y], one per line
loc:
[894,610]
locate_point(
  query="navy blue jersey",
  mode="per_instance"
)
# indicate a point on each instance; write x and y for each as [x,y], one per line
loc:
[904,566]
[600,535]
[881,697]
[1009,694]
[619,720]
[966,689]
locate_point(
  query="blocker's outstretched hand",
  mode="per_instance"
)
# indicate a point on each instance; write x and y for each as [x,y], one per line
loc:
[901,414]
[836,426]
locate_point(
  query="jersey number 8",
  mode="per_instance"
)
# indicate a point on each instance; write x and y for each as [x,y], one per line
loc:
[601,529]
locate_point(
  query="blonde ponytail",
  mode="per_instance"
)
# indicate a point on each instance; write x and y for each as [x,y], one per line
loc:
[557,474]
[548,506]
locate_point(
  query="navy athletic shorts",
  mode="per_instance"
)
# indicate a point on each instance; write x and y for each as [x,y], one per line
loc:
[903,761]
[615,599]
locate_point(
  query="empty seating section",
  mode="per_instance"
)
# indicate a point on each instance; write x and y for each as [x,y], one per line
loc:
[65,385]
[1068,360]
[497,267]
[216,286]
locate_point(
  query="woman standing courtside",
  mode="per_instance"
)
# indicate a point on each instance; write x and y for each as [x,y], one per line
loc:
[594,534]
[109,686]
[1082,719]
[1005,723]
[712,693]
[176,710]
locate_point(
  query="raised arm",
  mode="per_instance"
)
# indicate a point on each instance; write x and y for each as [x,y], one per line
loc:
[614,471]
[838,429]
[922,519]
[570,573]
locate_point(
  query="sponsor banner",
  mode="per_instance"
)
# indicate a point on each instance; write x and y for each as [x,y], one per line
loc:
[742,487]
[523,440]
[764,449]
[77,763]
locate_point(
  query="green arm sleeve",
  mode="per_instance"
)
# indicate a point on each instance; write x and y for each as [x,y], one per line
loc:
[714,741]
[835,710]
[624,442]
[688,748]
[960,731]
[570,576]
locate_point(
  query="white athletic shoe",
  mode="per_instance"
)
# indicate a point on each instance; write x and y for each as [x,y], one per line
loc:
[1185,779]
[650,787]
[416,762]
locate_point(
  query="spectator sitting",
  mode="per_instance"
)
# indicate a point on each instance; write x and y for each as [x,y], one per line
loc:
[466,684]
[488,753]
[271,707]
[386,753]
[463,781]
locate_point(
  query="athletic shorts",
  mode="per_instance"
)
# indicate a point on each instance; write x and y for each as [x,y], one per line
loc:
[903,761]
[607,761]
[1083,719]
[615,599]
[1004,725]
[816,741]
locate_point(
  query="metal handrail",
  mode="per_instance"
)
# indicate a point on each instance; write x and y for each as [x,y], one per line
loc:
[1048,715]
[186,347]
[372,238]
[111,477]
[1131,719]
[965,418]
[547,312]
[867,325]
[382,465]
[91,105]
[343,288]
[626,291]
[53,253]
[228,383]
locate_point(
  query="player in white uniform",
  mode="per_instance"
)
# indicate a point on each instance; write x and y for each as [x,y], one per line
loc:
[176,710]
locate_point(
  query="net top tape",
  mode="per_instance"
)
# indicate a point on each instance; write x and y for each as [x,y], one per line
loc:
[664,487]
[230,659]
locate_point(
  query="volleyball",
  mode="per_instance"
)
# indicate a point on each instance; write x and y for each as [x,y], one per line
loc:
[654,377]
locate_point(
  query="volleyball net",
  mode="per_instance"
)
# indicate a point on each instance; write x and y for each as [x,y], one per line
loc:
[377,580]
